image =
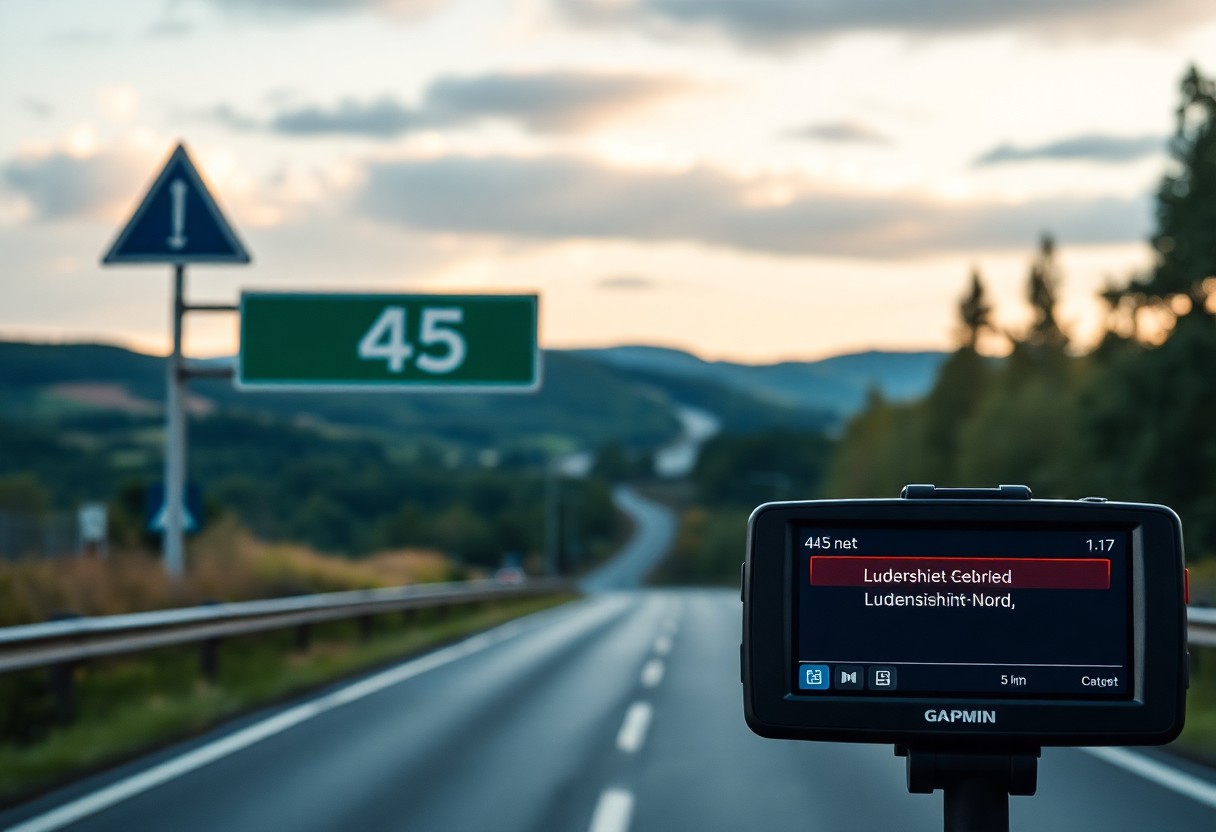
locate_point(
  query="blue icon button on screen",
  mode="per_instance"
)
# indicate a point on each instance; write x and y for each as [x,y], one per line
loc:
[813,677]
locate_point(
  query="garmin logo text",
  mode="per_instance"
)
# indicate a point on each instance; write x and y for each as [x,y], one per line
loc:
[960,716]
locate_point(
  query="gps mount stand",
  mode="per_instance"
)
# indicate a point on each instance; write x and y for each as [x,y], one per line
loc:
[976,785]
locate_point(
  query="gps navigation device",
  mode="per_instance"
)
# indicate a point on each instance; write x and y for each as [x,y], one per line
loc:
[965,618]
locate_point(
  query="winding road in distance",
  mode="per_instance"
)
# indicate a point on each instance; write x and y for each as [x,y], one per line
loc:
[621,711]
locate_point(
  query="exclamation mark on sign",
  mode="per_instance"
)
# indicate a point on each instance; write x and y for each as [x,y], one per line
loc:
[177,191]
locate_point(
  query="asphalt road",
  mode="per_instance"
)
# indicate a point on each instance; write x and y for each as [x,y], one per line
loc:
[618,712]
[654,528]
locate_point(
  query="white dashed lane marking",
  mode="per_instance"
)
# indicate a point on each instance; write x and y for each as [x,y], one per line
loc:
[633,730]
[652,673]
[613,811]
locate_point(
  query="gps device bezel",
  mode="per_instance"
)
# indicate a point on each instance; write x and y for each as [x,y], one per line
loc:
[1153,714]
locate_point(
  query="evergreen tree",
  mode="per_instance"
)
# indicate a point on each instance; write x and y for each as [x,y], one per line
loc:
[1043,293]
[1185,241]
[975,313]
[960,386]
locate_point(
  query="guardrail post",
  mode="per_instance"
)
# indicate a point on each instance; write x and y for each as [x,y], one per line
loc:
[366,624]
[408,616]
[303,638]
[63,681]
[63,685]
[209,658]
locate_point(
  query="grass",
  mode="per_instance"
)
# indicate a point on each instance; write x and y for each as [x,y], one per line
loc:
[129,706]
[226,563]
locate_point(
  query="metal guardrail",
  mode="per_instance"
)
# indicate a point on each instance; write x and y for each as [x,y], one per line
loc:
[62,645]
[74,640]
[1201,626]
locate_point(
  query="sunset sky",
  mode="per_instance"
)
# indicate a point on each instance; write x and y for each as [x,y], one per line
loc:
[746,179]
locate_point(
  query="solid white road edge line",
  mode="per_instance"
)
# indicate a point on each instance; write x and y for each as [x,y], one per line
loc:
[613,811]
[652,673]
[633,729]
[108,796]
[1158,772]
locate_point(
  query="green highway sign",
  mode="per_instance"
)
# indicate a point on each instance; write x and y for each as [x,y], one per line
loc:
[484,343]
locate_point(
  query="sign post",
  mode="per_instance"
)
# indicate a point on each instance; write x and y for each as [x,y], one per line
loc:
[178,222]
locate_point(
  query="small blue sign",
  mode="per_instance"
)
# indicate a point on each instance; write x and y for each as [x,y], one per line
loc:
[156,518]
[177,222]
[813,677]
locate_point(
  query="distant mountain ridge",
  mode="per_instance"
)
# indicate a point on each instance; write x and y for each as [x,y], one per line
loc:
[584,402]
[624,395]
[837,385]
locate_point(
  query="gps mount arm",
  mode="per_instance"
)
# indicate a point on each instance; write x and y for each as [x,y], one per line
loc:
[975,785]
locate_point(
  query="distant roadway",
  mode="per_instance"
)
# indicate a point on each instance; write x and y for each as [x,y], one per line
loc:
[621,711]
[654,530]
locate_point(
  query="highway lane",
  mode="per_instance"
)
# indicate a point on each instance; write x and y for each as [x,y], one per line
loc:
[618,712]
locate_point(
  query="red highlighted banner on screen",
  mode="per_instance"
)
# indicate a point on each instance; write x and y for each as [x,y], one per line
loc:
[961,573]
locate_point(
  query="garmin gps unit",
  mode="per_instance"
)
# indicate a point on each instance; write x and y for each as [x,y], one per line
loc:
[965,618]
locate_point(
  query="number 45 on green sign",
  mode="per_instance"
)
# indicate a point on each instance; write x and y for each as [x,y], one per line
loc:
[361,342]
[386,340]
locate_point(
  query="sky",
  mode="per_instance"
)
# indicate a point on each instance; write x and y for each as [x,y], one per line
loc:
[754,180]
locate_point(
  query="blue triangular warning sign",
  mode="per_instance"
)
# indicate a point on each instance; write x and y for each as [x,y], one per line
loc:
[161,521]
[177,222]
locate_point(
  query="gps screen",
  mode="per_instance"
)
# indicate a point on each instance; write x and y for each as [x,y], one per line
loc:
[1006,612]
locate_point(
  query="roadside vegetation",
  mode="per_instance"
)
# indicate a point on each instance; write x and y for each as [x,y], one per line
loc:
[227,563]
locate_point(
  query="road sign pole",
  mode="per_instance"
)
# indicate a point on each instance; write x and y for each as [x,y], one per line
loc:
[552,505]
[175,438]
[177,222]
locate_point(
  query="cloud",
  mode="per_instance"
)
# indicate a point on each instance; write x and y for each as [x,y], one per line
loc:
[77,36]
[170,28]
[383,119]
[841,132]
[538,101]
[60,185]
[1088,148]
[770,22]
[550,101]
[39,107]
[230,117]
[625,283]
[569,197]
[319,8]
